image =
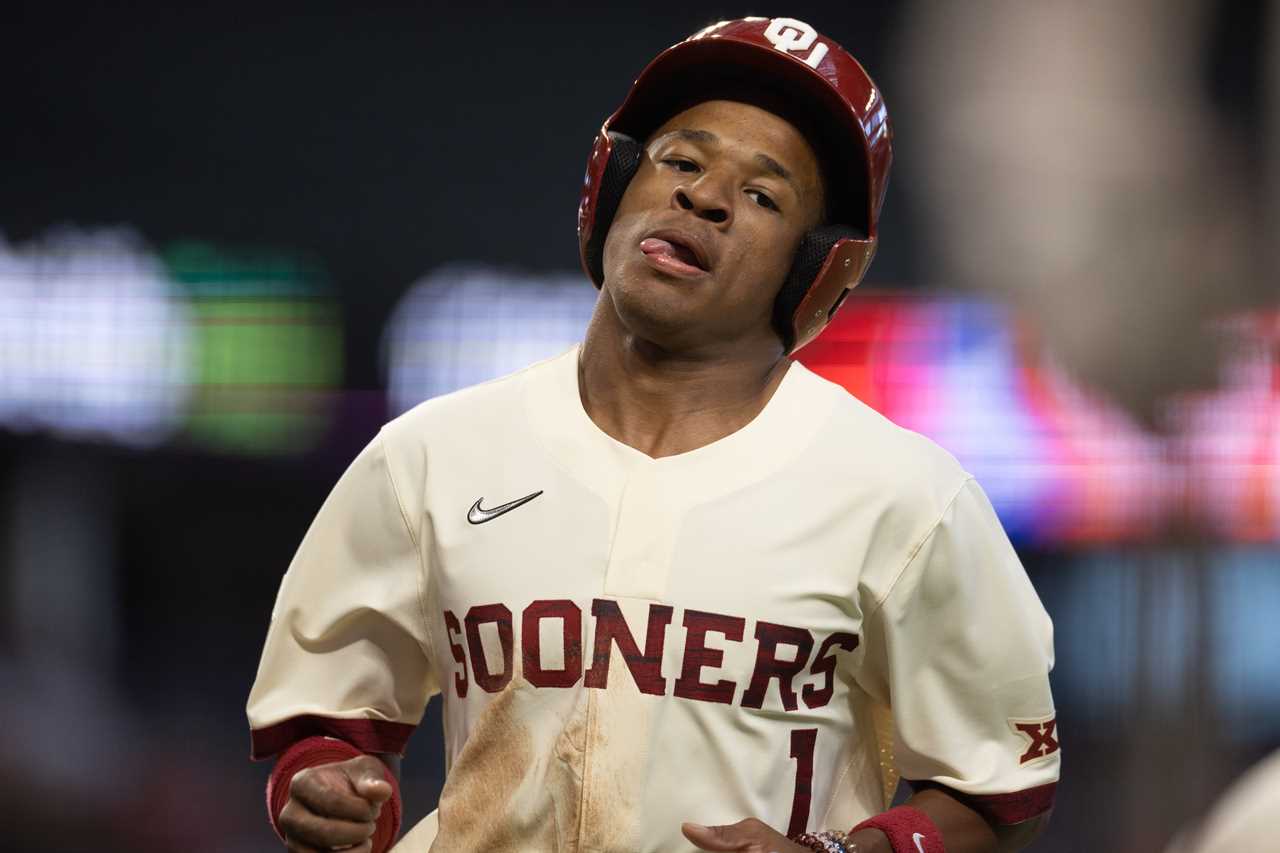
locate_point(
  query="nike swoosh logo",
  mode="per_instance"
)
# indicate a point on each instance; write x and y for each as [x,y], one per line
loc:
[917,838]
[478,515]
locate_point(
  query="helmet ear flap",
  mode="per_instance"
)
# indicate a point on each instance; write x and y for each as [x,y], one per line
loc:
[624,160]
[811,256]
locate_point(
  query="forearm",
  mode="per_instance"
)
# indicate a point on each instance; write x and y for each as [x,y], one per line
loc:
[963,830]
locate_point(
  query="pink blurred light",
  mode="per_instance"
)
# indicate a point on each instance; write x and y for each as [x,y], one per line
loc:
[1063,464]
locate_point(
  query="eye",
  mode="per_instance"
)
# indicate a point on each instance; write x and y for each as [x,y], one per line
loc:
[680,164]
[763,200]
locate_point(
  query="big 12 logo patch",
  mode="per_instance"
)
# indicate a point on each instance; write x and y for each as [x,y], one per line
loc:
[1041,736]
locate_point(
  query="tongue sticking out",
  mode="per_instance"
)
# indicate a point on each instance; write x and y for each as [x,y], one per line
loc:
[657,246]
[673,255]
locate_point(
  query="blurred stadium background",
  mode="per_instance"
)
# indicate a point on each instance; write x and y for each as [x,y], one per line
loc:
[235,239]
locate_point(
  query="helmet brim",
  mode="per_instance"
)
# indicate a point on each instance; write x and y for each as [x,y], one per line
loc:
[715,68]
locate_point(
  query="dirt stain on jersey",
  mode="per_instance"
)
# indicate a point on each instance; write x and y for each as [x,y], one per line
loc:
[617,763]
[564,777]
[504,792]
[558,770]
[476,802]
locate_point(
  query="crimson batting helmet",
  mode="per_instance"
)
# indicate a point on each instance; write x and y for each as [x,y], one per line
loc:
[811,81]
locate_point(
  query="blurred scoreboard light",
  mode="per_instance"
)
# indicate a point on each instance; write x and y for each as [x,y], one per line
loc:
[1059,465]
[268,352]
[1232,440]
[102,338]
[948,369]
[462,325]
[95,339]
[1062,466]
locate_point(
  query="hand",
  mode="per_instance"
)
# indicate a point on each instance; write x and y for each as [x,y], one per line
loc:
[745,836]
[335,806]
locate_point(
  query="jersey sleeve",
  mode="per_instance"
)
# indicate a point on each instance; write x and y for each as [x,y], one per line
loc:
[960,649]
[346,653]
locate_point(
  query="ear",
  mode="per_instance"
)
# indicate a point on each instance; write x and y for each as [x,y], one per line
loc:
[624,161]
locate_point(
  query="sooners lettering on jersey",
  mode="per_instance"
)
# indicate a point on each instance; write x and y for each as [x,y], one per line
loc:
[698,654]
[703,637]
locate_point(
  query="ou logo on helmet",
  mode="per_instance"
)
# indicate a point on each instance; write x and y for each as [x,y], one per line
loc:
[791,36]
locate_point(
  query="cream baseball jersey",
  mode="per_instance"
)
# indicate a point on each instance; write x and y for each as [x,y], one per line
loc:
[625,643]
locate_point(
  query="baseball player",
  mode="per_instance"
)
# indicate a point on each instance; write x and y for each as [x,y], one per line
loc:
[676,591]
[1247,817]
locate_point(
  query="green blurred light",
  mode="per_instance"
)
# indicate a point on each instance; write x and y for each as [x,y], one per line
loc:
[267,349]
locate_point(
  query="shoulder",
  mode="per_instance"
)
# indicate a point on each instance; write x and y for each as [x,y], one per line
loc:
[468,423]
[863,445]
[476,410]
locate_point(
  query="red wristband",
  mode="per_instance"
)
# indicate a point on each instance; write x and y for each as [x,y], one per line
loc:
[314,751]
[909,829]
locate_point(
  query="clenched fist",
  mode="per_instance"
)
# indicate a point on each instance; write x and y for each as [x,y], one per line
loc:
[335,806]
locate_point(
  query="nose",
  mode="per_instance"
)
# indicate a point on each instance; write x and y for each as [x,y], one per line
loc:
[706,198]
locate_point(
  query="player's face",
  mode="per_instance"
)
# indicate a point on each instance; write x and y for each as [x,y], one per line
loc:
[706,231]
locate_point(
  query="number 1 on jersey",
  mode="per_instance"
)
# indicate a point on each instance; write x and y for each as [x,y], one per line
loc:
[802,746]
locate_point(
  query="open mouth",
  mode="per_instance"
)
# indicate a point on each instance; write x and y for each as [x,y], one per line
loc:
[670,253]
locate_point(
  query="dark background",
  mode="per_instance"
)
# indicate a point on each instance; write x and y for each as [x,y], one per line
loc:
[378,143]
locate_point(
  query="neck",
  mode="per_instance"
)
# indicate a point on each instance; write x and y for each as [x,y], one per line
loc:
[662,401]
